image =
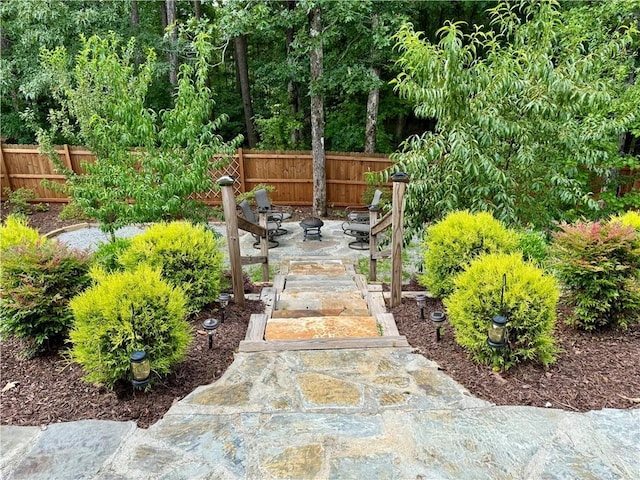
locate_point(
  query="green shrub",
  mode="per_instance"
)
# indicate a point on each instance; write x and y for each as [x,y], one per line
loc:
[124,312]
[19,200]
[451,244]
[106,255]
[599,263]
[38,280]
[630,218]
[189,256]
[14,231]
[529,304]
[534,247]
[72,211]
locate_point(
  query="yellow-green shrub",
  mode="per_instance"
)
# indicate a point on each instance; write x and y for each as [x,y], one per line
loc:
[630,218]
[529,303]
[14,231]
[124,312]
[188,255]
[451,244]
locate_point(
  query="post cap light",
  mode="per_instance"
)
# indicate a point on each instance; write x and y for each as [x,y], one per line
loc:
[497,335]
[140,369]
[401,177]
[226,181]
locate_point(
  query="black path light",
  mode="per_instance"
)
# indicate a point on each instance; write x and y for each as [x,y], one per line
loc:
[223,300]
[140,369]
[210,325]
[497,336]
[438,319]
[421,300]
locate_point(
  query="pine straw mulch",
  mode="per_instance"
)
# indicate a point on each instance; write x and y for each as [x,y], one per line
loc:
[594,370]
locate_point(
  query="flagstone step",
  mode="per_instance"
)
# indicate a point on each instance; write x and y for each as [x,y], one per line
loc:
[341,326]
[319,286]
[350,301]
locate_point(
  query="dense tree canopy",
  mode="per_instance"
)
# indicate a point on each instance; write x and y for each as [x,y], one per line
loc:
[527,116]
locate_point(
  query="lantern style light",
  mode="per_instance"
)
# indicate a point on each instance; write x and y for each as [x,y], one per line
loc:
[421,300]
[223,300]
[140,369]
[438,319]
[210,325]
[497,336]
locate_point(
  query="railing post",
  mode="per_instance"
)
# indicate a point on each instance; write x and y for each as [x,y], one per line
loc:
[373,243]
[264,241]
[400,179]
[233,239]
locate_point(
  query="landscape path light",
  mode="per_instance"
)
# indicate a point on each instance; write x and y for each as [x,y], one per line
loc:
[421,300]
[140,369]
[210,325]
[438,319]
[497,337]
[223,300]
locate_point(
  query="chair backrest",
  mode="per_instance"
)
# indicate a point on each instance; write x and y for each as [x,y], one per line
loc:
[262,198]
[377,195]
[247,212]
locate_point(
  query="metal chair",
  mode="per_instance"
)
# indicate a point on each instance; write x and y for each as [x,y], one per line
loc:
[272,227]
[357,224]
[262,200]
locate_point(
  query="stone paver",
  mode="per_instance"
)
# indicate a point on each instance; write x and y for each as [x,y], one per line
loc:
[367,413]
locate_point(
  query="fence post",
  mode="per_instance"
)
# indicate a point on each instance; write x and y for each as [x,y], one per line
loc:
[233,239]
[400,180]
[5,172]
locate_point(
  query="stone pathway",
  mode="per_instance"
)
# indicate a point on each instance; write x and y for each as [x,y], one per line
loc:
[338,414]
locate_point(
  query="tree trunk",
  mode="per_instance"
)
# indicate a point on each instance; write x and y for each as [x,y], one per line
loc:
[292,88]
[317,115]
[240,45]
[197,12]
[135,15]
[173,56]
[371,128]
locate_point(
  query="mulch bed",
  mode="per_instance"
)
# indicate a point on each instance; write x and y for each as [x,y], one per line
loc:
[50,389]
[595,370]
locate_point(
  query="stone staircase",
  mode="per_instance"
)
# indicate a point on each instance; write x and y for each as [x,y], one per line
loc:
[318,303]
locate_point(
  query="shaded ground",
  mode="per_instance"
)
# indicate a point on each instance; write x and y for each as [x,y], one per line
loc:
[595,371]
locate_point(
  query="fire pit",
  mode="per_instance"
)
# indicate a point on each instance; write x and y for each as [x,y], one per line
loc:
[311,227]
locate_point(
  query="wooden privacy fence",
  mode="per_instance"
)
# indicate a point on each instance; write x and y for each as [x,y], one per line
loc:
[291,173]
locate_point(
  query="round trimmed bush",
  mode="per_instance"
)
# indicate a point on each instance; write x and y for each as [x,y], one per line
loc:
[451,244]
[189,256]
[530,300]
[38,279]
[124,312]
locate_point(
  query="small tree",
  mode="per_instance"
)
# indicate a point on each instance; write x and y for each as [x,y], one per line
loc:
[148,163]
[526,115]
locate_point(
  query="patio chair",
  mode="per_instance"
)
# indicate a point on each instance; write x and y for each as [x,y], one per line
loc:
[357,223]
[262,199]
[272,226]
